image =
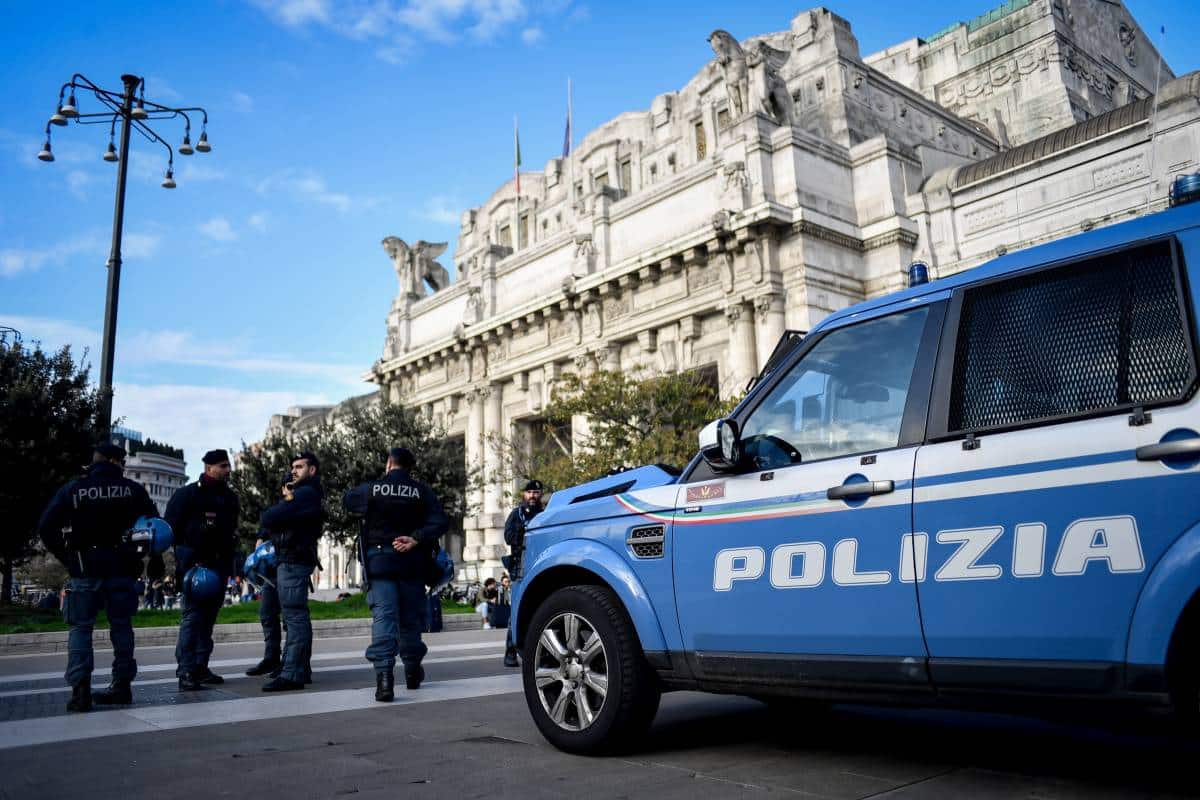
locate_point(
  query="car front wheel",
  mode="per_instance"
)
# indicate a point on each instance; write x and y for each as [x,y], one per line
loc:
[587,683]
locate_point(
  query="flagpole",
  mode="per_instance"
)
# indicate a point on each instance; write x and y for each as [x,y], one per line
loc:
[570,152]
[517,179]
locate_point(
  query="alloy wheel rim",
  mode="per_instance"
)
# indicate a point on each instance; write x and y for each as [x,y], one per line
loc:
[570,671]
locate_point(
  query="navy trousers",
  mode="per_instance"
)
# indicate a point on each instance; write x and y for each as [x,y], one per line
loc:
[85,597]
[195,643]
[397,617]
[293,599]
[268,615]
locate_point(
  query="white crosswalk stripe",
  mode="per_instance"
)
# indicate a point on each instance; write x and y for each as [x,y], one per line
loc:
[362,665]
[27,732]
[215,665]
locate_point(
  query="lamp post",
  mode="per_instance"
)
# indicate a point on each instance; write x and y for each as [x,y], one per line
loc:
[133,113]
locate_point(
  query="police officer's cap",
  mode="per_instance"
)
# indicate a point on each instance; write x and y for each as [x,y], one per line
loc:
[113,452]
[402,457]
[533,486]
[218,456]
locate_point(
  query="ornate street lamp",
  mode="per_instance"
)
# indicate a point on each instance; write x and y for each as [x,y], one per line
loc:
[121,107]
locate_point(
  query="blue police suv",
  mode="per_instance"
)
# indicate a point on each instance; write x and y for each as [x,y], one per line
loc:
[985,488]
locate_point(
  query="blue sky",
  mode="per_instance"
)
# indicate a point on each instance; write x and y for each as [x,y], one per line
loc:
[260,282]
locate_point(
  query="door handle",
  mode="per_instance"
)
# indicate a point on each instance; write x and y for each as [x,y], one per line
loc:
[848,490]
[1161,450]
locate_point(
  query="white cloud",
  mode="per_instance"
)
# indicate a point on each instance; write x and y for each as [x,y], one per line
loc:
[201,418]
[140,245]
[194,417]
[77,183]
[14,261]
[194,172]
[440,208]
[258,221]
[218,229]
[143,348]
[159,91]
[305,184]
[295,13]
[398,24]
[243,102]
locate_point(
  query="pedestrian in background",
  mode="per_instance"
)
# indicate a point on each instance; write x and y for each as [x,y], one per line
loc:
[514,537]
[295,526]
[204,516]
[403,521]
[83,527]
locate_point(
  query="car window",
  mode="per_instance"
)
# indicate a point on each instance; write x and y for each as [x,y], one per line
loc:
[845,396]
[1095,336]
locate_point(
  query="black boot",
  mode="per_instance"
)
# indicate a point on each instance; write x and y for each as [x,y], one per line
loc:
[510,657]
[209,677]
[282,684]
[81,696]
[385,683]
[118,693]
[189,682]
[413,678]
[267,666]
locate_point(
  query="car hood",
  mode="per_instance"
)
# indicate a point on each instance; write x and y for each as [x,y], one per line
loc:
[610,496]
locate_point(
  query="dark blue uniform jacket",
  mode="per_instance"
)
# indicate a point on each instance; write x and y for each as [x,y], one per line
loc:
[84,524]
[295,524]
[204,516]
[399,505]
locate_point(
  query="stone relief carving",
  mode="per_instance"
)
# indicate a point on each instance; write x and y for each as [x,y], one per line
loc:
[584,262]
[416,265]
[1128,37]
[732,60]
[768,90]
[595,319]
[473,313]
[615,307]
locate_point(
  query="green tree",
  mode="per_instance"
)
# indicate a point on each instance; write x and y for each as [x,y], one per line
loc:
[353,449]
[632,420]
[47,430]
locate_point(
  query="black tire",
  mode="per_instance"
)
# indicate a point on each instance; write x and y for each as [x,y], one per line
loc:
[632,691]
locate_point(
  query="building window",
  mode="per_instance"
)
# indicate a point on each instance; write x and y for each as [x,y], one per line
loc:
[701,142]
[626,172]
[504,236]
[601,180]
[723,119]
[578,191]
[523,229]
[653,172]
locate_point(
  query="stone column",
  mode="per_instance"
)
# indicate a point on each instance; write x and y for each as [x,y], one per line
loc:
[768,316]
[492,434]
[742,353]
[580,427]
[472,529]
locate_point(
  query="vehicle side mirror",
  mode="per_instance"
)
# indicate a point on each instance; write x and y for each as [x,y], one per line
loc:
[721,444]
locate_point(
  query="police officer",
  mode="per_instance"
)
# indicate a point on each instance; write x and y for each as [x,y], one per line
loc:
[295,526]
[514,537]
[268,617]
[403,522]
[83,528]
[204,518]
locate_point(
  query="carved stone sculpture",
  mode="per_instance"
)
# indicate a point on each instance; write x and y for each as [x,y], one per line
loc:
[732,60]
[416,265]
[768,90]
[473,314]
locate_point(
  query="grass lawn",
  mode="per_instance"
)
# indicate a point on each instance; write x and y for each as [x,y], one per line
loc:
[21,619]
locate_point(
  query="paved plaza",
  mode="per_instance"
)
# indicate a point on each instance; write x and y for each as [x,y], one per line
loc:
[466,733]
